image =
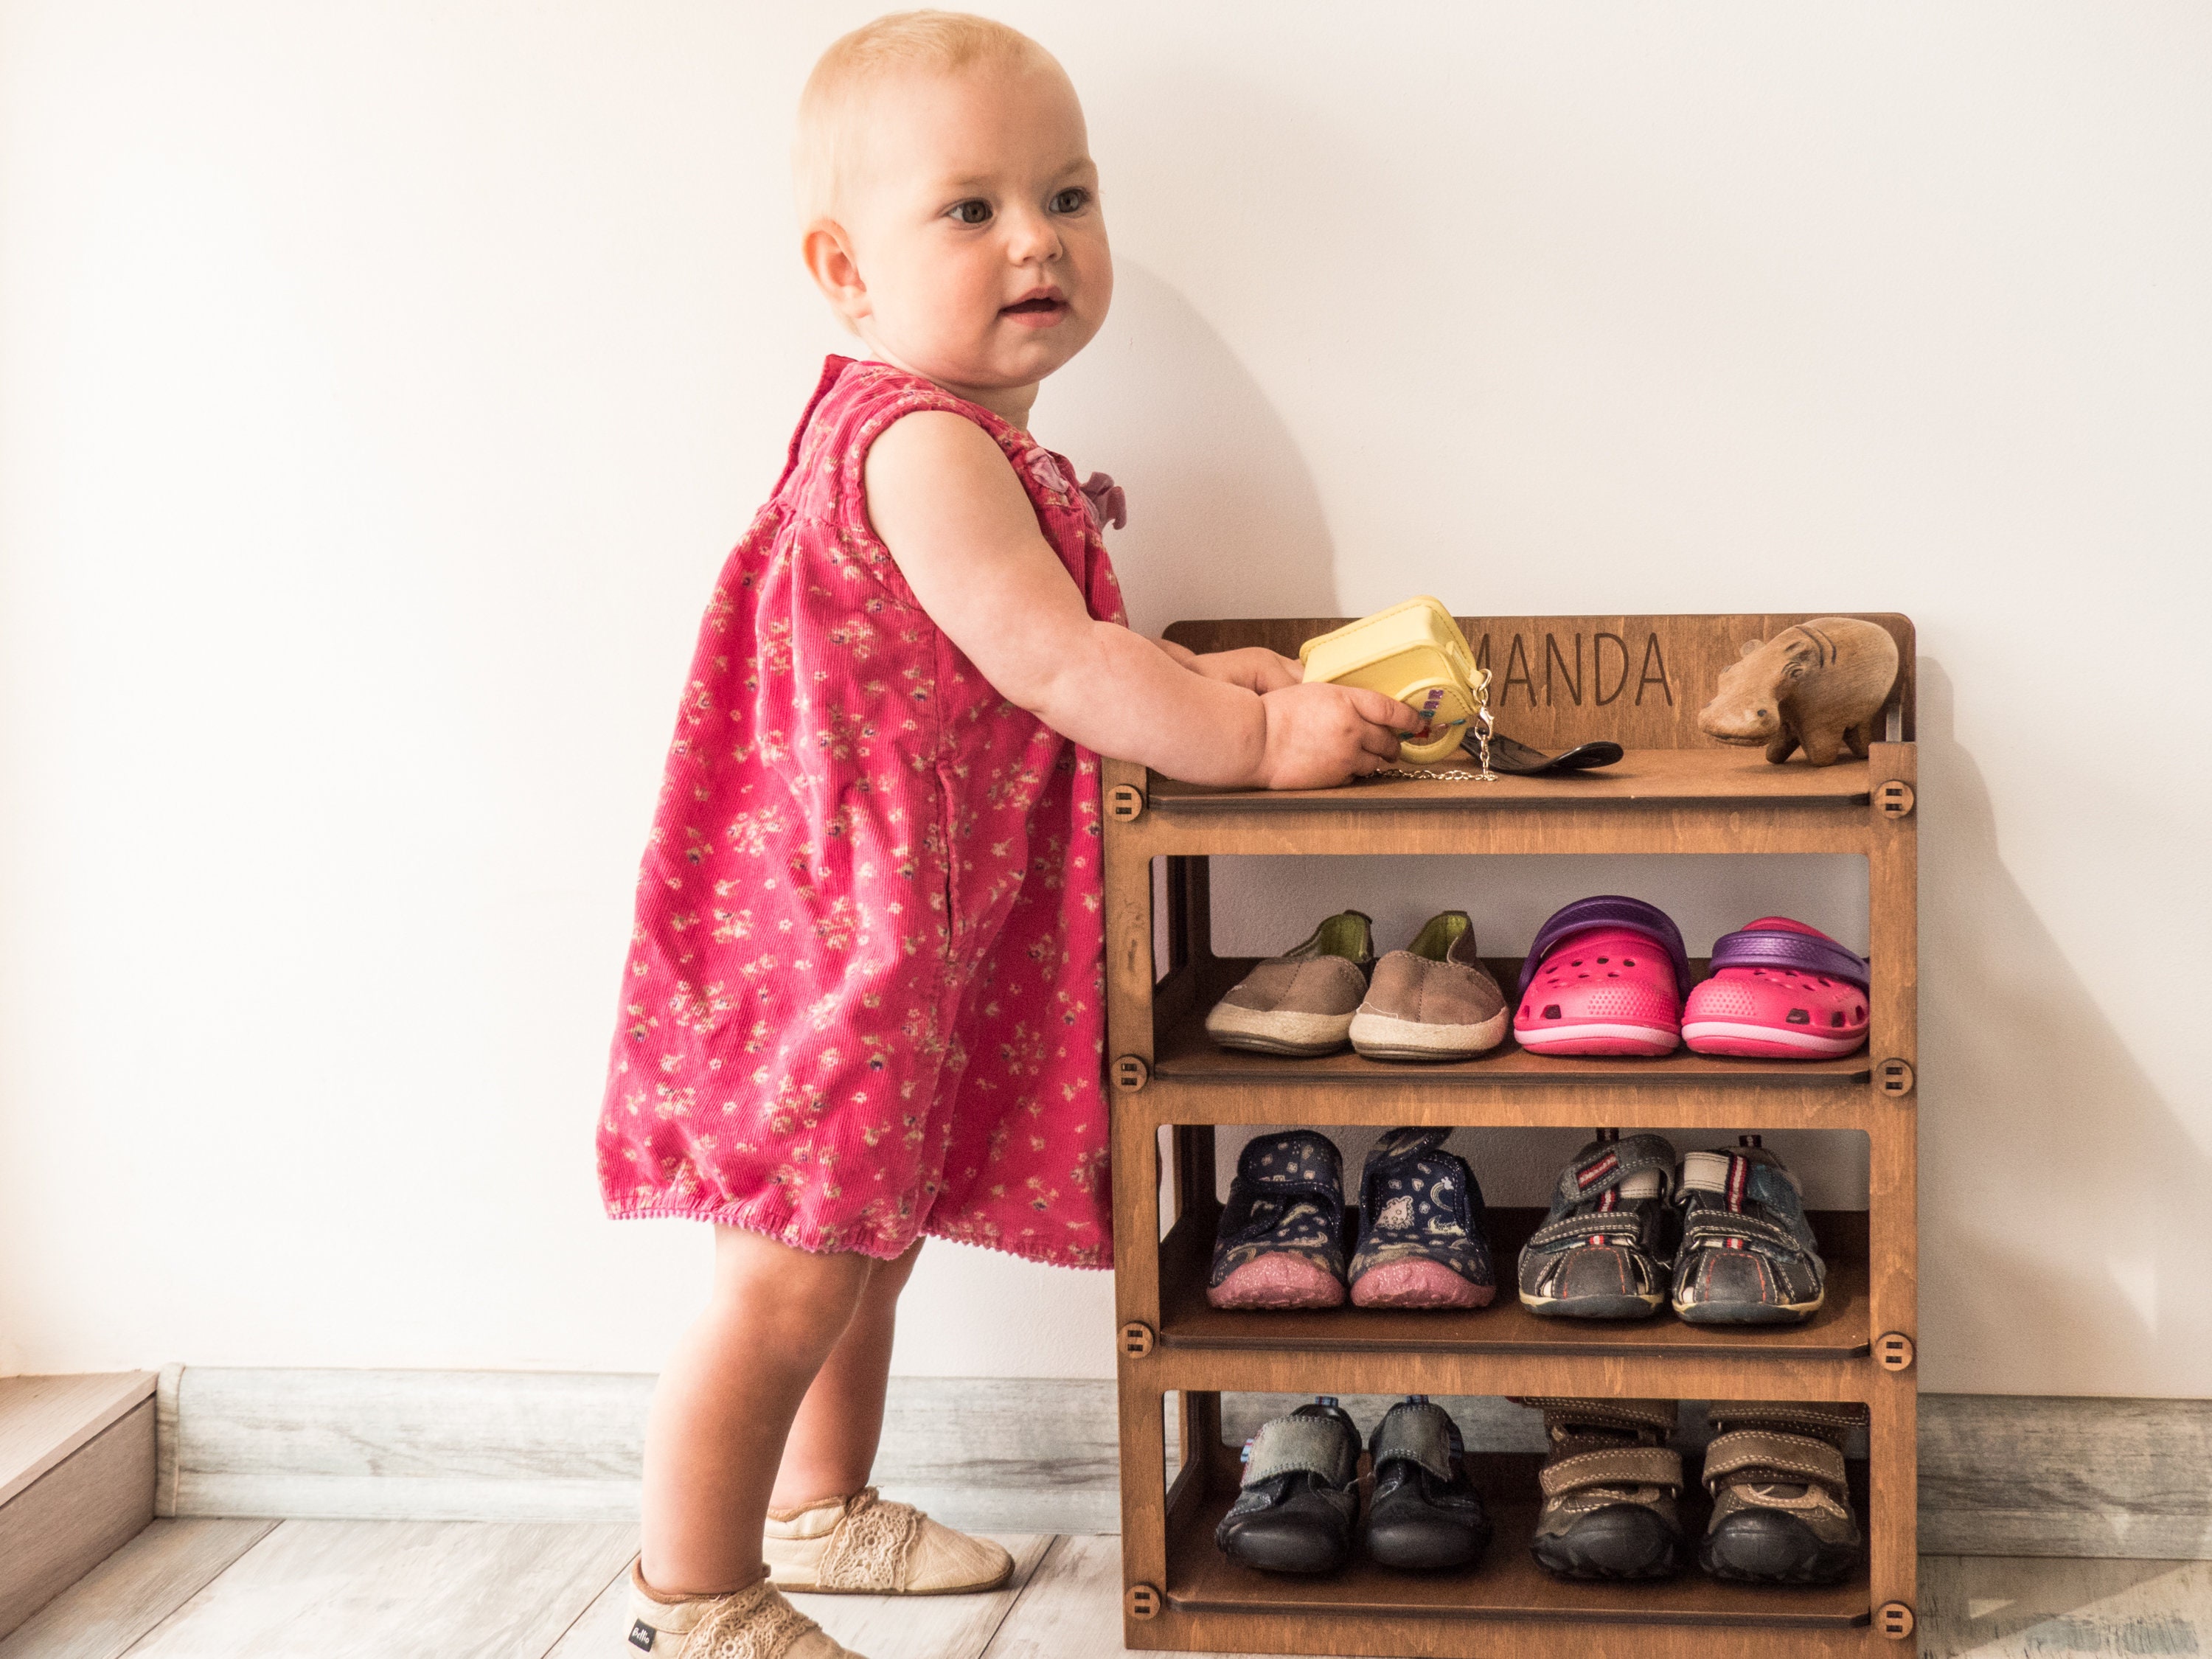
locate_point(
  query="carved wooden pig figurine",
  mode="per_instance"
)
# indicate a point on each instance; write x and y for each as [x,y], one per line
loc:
[1820,684]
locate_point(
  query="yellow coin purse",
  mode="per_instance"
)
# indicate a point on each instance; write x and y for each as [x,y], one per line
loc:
[1415,652]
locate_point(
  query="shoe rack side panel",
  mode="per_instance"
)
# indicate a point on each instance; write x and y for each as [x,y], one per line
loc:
[1892,1196]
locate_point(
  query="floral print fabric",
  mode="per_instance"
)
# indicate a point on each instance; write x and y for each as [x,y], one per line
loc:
[863,998]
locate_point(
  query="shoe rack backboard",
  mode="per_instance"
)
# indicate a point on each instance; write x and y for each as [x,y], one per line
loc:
[1558,681]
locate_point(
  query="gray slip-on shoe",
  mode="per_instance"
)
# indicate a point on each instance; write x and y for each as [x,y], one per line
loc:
[1300,1003]
[1432,1000]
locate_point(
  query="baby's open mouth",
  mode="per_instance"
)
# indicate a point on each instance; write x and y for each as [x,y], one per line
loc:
[1035,307]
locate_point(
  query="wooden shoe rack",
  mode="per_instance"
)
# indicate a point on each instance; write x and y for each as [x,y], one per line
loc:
[1557,681]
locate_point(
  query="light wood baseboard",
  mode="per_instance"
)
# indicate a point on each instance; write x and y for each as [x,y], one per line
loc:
[1999,1475]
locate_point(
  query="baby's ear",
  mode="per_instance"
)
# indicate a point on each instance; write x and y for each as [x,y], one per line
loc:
[1750,646]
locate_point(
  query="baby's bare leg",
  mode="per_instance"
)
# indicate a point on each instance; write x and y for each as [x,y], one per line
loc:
[833,1440]
[724,1403]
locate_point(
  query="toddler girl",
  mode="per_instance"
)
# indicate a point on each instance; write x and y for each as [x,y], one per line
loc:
[864,992]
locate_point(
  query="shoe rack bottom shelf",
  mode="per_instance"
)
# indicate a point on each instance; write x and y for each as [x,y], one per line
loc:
[1506,1584]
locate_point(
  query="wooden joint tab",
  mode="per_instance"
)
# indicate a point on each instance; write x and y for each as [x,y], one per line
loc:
[1893,1352]
[1125,803]
[1130,1074]
[1136,1339]
[1894,1620]
[1141,1602]
[1894,1078]
[1893,799]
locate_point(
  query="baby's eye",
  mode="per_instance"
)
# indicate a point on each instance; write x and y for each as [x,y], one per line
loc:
[1073,200]
[972,212]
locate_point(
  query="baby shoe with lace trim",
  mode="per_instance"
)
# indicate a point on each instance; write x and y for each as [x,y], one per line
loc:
[1432,1000]
[862,1546]
[1606,1248]
[1280,1241]
[1423,1514]
[1612,1490]
[753,1623]
[1605,976]
[1747,1255]
[1782,1504]
[1301,1002]
[1421,1238]
[1300,1494]
[1779,990]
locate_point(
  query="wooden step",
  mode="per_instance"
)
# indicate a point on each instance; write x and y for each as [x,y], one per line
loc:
[77,1479]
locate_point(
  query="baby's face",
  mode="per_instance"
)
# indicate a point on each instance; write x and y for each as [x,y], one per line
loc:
[975,225]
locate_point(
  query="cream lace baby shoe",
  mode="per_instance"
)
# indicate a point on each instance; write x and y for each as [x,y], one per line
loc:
[754,1623]
[861,1545]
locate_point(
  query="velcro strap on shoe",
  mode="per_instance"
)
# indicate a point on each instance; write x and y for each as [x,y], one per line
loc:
[1298,1161]
[1783,1455]
[1705,1228]
[1421,1434]
[1569,1228]
[1561,1412]
[1616,1466]
[1610,1164]
[1400,1143]
[1308,1445]
[1825,1419]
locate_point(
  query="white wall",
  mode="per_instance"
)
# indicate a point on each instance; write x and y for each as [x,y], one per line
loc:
[381,385]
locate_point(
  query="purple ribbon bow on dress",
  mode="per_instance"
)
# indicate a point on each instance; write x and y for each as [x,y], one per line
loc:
[1107,503]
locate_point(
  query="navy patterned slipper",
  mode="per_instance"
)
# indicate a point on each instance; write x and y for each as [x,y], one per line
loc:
[1421,1243]
[1280,1243]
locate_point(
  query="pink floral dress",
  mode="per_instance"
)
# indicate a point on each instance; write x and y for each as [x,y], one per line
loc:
[864,998]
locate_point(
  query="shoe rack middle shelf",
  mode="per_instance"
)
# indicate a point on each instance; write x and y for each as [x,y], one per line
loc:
[1191,1079]
[1838,1331]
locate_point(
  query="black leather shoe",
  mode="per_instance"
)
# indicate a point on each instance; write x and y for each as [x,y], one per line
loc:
[1424,1513]
[1301,1494]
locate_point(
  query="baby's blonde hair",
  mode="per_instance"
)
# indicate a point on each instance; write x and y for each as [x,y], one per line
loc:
[939,42]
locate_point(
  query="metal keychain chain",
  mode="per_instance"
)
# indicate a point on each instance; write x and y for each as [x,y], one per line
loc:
[1483,721]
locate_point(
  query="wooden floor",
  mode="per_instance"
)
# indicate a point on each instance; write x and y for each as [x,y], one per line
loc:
[441,1589]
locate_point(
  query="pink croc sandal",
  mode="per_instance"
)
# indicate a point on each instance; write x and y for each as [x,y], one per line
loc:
[1604,977]
[1780,990]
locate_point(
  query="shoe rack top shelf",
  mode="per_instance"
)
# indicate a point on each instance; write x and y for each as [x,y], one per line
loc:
[1641,776]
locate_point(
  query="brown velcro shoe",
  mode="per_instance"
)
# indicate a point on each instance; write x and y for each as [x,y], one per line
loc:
[1782,1505]
[1432,1000]
[1612,1487]
[1302,1001]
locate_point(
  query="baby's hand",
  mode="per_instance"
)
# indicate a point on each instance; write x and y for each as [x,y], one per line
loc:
[1254,667]
[1322,735]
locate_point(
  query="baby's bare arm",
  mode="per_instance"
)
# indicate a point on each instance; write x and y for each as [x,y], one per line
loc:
[961,526]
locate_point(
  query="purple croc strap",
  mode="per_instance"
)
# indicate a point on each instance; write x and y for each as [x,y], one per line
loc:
[1610,910]
[1778,947]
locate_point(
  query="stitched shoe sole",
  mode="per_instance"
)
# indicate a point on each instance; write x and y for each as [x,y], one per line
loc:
[1622,1541]
[1418,1284]
[1591,1038]
[1749,1313]
[1721,1036]
[1379,1037]
[794,1587]
[1594,1307]
[1275,1033]
[1278,1281]
[1763,1547]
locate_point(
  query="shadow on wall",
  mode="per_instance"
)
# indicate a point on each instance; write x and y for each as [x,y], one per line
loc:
[2061,1197]
[1224,518]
